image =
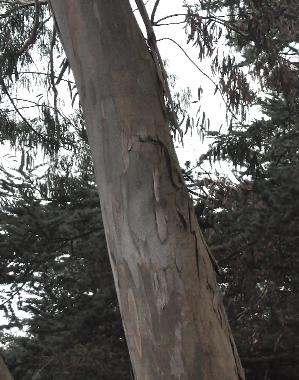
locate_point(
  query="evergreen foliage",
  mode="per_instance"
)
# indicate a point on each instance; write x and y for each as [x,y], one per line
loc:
[54,265]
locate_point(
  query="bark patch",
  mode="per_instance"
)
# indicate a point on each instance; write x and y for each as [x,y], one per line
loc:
[134,321]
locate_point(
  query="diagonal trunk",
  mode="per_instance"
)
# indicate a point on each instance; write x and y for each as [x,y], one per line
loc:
[172,310]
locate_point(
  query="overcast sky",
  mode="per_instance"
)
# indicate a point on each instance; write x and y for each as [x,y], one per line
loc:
[187,75]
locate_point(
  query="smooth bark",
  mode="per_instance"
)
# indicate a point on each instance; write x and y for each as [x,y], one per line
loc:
[4,371]
[172,310]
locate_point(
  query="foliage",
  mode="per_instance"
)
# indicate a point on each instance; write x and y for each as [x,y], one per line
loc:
[56,281]
[54,265]
[251,222]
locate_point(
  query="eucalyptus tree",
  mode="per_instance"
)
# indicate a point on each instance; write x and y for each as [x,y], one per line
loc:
[171,306]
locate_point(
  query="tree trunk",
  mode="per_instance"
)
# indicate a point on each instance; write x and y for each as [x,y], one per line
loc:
[4,371]
[172,310]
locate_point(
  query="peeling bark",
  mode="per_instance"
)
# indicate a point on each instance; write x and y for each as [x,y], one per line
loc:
[172,309]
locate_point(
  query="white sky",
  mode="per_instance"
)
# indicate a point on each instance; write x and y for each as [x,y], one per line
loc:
[187,74]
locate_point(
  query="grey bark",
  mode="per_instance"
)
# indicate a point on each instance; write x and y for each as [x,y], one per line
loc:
[4,371]
[172,309]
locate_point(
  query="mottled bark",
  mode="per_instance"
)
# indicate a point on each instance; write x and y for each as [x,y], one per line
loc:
[172,309]
[4,371]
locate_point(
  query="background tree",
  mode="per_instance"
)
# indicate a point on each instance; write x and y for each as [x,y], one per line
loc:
[259,212]
[55,265]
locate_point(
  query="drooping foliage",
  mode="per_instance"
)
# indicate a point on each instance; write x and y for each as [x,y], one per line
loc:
[251,221]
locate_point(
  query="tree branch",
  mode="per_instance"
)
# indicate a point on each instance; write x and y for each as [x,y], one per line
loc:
[19,113]
[154,11]
[203,73]
[161,72]
[31,39]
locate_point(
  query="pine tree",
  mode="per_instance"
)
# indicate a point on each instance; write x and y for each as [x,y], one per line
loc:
[55,265]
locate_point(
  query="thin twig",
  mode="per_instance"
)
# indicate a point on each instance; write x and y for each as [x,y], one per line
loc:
[47,74]
[65,65]
[31,39]
[52,76]
[202,72]
[47,106]
[19,113]
[154,11]
[170,16]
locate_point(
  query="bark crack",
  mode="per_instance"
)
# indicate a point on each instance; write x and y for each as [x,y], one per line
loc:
[176,182]
[182,219]
[193,232]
